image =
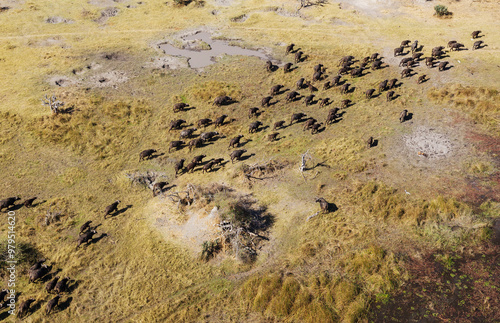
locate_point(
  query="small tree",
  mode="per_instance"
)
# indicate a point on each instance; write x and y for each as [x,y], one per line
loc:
[53,103]
[441,11]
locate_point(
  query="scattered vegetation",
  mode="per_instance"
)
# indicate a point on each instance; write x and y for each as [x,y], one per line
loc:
[441,11]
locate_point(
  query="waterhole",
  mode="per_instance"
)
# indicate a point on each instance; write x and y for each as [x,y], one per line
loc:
[200,50]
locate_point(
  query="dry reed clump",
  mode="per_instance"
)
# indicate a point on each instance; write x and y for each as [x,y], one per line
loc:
[9,123]
[98,128]
[208,91]
[482,104]
[343,296]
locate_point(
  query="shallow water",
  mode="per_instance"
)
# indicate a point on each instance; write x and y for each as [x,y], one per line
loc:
[202,58]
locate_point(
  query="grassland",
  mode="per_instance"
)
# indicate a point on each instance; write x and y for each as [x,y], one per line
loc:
[395,207]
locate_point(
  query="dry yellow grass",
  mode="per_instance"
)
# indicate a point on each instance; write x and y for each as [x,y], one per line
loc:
[327,269]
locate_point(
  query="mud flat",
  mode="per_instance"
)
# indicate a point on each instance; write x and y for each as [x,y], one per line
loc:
[198,58]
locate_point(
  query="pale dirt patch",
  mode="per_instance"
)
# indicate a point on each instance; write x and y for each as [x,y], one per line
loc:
[168,62]
[429,143]
[58,20]
[111,78]
[201,226]
[62,81]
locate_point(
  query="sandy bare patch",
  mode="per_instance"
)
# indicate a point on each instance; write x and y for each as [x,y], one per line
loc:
[201,226]
[374,8]
[62,81]
[428,143]
[169,62]
[111,78]
[104,3]
[106,14]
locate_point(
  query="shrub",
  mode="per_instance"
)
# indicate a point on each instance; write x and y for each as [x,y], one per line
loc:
[441,11]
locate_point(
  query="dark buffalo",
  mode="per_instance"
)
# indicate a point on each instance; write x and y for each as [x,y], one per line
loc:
[370,142]
[287,67]
[324,102]
[266,102]
[382,86]
[421,79]
[369,93]
[204,122]
[298,56]
[113,207]
[417,56]
[86,237]
[272,136]
[253,112]
[187,133]
[222,100]
[220,120]
[235,141]
[289,48]
[323,204]
[198,159]
[146,154]
[345,103]
[180,106]
[318,68]
[403,115]
[254,126]
[475,34]
[176,124]
[8,202]
[406,72]
[237,154]
[179,166]
[345,88]
[456,46]
[207,136]
[291,96]
[389,96]
[196,143]
[336,80]
[429,61]
[24,308]
[300,83]
[208,166]
[85,226]
[296,117]
[276,89]
[52,304]
[477,44]
[309,99]
[278,124]
[398,51]
[377,64]
[62,285]
[405,43]
[442,66]
[29,202]
[36,274]
[176,144]
[308,124]
[392,83]
[315,128]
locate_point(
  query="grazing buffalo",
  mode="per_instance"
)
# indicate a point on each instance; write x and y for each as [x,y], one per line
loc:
[389,96]
[29,202]
[475,34]
[272,136]
[25,307]
[369,93]
[318,68]
[287,67]
[315,128]
[343,71]
[477,44]
[176,124]
[403,115]
[289,48]
[451,42]
[187,133]
[429,61]
[266,102]
[370,142]
[398,51]
[323,204]
[377,64]
[113,207]
[317,76]
[62,285]
[179,166]
[324,102]
[208,166]
[146,154]
[220,120]
[36,274]
[417,56]
[8,202]
[311,87]
[332,116]
[222,100]
[180,106]
[276,89]
[327,85]
[207,136]
[196,143]
[336,80]
[309,99]
[85,226]
[298,56]
[406,72]
[291,96]
[345,59]
[218,161]
[456,46]
[357,72]
[86,237]
[345,103]
[414,46]
[374,57]
[300,83]
[237,154]
[296,117]
[254,126]
[269,66]
[405,43]
[278,124]
[442,66]
[204,122]
[159,186]
[190,167]
[308,124]
[176,144]
[198,159]
[404,61]
[345,88]
[382,86]
[421,79]
[235,141]
[52,304]
[392,83]
[253,112]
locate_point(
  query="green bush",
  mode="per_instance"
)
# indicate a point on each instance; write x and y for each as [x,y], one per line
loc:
[441,11]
